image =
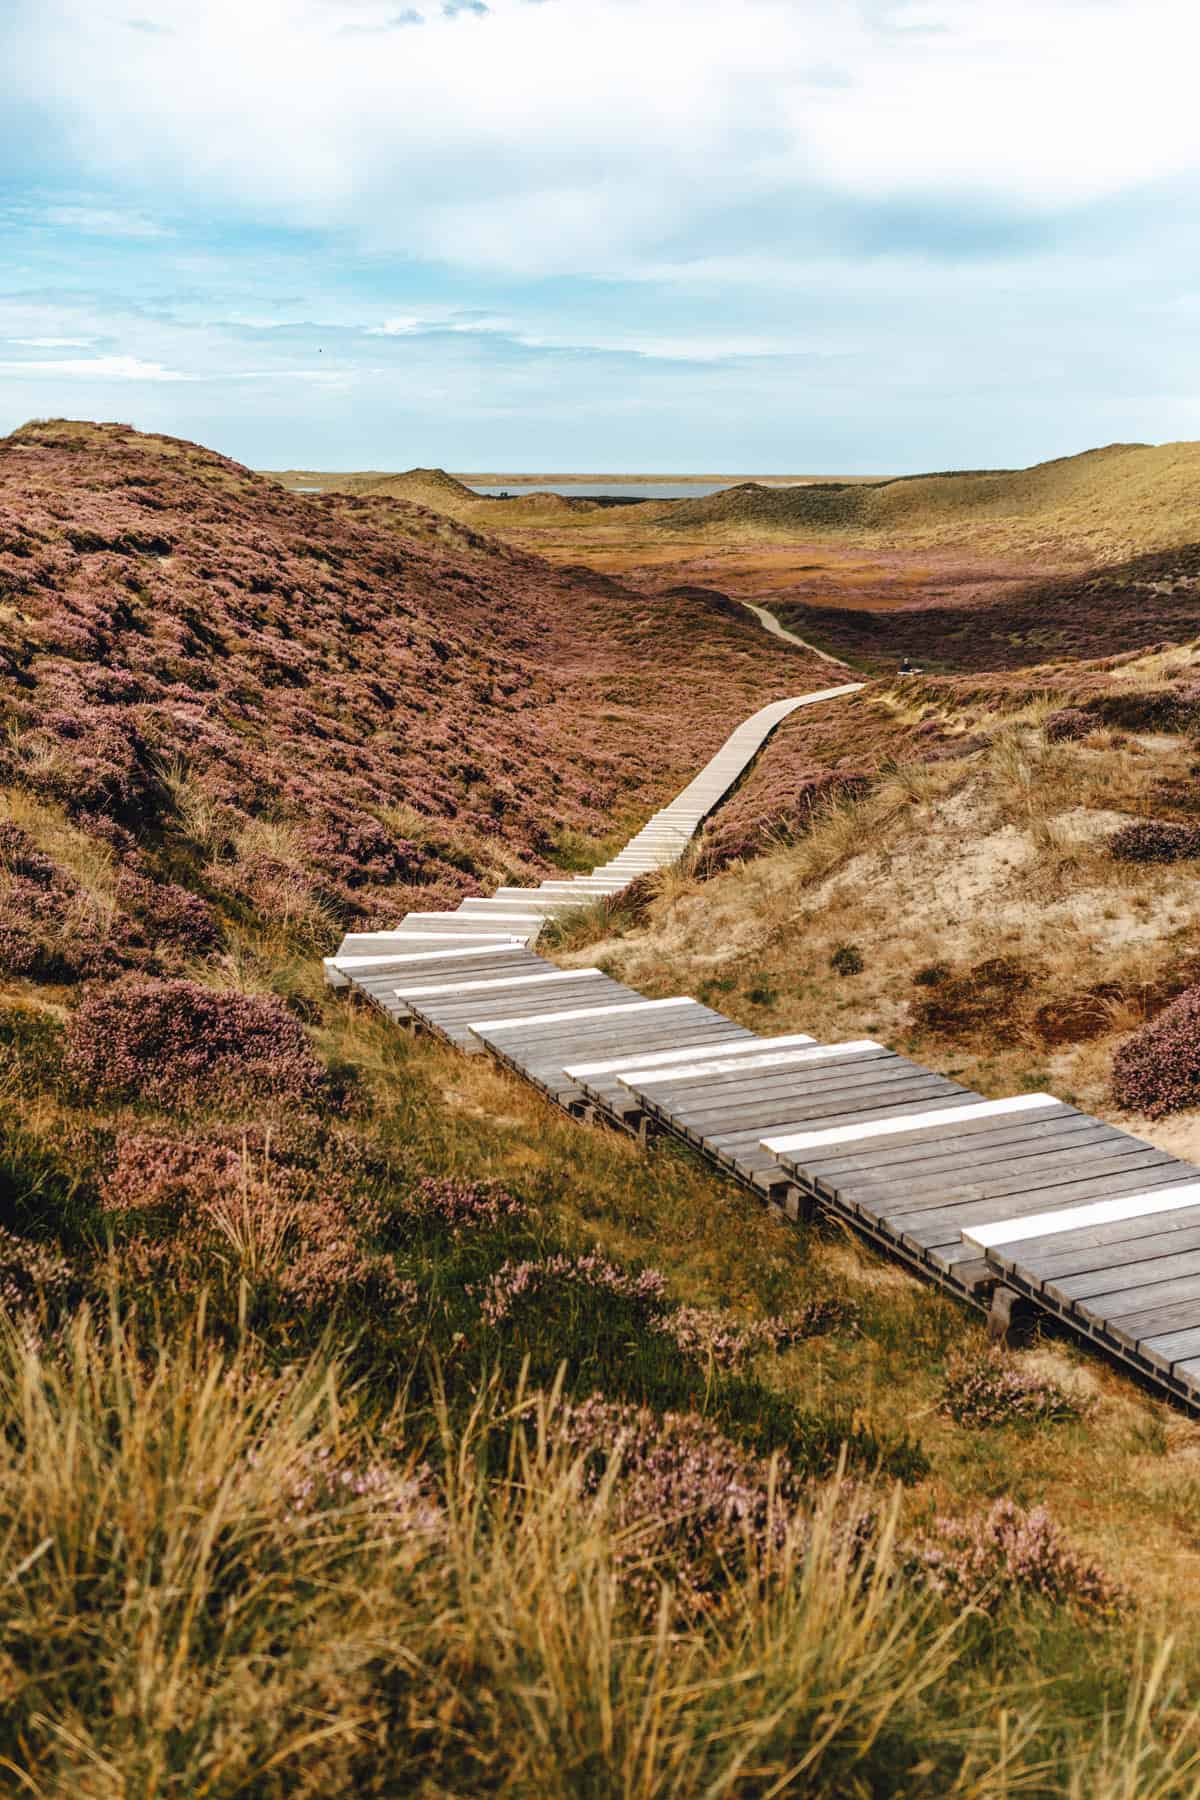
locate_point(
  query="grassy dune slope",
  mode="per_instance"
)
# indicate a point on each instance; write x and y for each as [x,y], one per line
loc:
[937,829]
[1104,505]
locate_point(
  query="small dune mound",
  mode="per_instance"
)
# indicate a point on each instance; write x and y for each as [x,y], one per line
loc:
[750,507]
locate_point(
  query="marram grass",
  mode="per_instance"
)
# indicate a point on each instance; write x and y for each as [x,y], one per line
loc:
[213,1583]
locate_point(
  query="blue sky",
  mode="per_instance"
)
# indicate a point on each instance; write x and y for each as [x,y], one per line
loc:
[798,236]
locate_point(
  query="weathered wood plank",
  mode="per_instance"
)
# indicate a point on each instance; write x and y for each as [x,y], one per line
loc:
[792,1147]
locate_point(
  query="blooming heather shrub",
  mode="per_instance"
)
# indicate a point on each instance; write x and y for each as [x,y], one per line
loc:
[985,1387]
[50,930]
[358,852]
[1068,725]
[689,1503]
[298,1223]
[1157,1070]
[167,914]
[711,1334]
[515,1284]
[101,764]
[1012,1554]
[1153,841]
[149,1172]
[36,1282]
[463,1206]
[177,1042]
[19,855]
[1151,709]
[395,1499]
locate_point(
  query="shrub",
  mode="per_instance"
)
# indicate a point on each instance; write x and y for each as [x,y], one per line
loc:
[1068,725]
[710,1333]
[516,1283]
[1152,841]
[985,1387]
[167,913]
[1012,1554]
[1151,709]
[296,1229]
[178,1042]
[465,1205]
[689,1503]
[1157,1070]
[847,959]
[152,1173]
[932,975]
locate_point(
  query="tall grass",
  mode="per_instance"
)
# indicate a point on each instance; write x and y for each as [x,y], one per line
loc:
[213,1582]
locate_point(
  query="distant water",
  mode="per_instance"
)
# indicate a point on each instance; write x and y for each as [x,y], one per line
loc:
[614,490]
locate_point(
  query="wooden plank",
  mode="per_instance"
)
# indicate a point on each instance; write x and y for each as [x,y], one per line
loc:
[782,1112]
[581,1013]
[1086,1255]
[1034,1174]
[451,955]
[1132,1317]
[497,983]
[970,1219]
[740,1039]
[801,1053]
[1144,1273]
[1004,1144]
[518,1003]
[1172,1346]
[710,1091]
[723,1097]
[578,1038]
[797,1143]
[995,1235]
[856,1085]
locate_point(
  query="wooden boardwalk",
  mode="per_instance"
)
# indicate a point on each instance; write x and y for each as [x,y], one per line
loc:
[514,916]
[1022,1201]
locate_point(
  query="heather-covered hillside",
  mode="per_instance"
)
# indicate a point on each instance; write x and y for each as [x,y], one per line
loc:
[1100,612]
[333,708]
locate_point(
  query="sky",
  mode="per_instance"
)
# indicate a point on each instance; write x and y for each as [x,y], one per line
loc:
[728,236]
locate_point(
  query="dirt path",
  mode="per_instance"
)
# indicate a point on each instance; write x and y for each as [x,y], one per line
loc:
[770,623]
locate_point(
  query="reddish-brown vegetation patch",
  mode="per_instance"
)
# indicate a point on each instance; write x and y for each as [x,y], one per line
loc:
[1157,1070]
[1098,613]
[175,1041]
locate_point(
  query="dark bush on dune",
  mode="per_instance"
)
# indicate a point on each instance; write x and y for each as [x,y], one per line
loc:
[1151,841]
[1157,1070]
[1068,725]
[1151,709]
[177,1042]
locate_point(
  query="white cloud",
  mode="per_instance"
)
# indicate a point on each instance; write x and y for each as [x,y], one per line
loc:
[102,221]
[93,368]
[580,136]
[51,343]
